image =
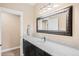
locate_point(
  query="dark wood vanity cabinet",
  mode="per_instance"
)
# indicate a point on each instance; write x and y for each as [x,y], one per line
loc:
[31,50]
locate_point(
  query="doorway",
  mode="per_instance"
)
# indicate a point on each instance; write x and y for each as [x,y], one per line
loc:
[11,32]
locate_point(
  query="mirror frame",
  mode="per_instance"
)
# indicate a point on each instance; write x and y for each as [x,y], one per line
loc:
[68,31]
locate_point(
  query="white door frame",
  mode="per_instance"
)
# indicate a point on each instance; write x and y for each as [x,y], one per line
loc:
[15,12]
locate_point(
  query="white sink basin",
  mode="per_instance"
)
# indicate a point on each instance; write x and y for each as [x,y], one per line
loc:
[39,41]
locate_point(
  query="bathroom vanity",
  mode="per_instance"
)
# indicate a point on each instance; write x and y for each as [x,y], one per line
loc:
[31,50]
[57,22]
[36,45]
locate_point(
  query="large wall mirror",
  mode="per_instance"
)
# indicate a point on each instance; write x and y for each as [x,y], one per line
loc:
[60,22]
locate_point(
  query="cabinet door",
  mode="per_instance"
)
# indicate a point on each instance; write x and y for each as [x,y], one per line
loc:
[26,48]
[32,50]
[40,52]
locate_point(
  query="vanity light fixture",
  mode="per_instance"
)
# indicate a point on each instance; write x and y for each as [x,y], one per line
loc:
[48,7]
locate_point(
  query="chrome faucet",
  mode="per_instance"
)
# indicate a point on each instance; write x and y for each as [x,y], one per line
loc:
[44,38]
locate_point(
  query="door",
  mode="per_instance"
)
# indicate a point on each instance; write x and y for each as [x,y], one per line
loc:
[0,34]
[10,34]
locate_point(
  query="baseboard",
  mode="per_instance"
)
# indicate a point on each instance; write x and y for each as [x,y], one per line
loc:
[10,49]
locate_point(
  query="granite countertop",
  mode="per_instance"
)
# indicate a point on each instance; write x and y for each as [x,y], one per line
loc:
[52,48]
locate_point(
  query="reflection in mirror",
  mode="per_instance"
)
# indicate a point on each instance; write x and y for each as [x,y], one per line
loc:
[63,17]
[56,22]
[53,23]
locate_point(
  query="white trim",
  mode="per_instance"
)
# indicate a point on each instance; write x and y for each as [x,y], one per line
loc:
[11,11]
[10,49]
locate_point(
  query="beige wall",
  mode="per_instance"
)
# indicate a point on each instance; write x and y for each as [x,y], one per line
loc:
[28,12]
[72,41]
[10,30]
